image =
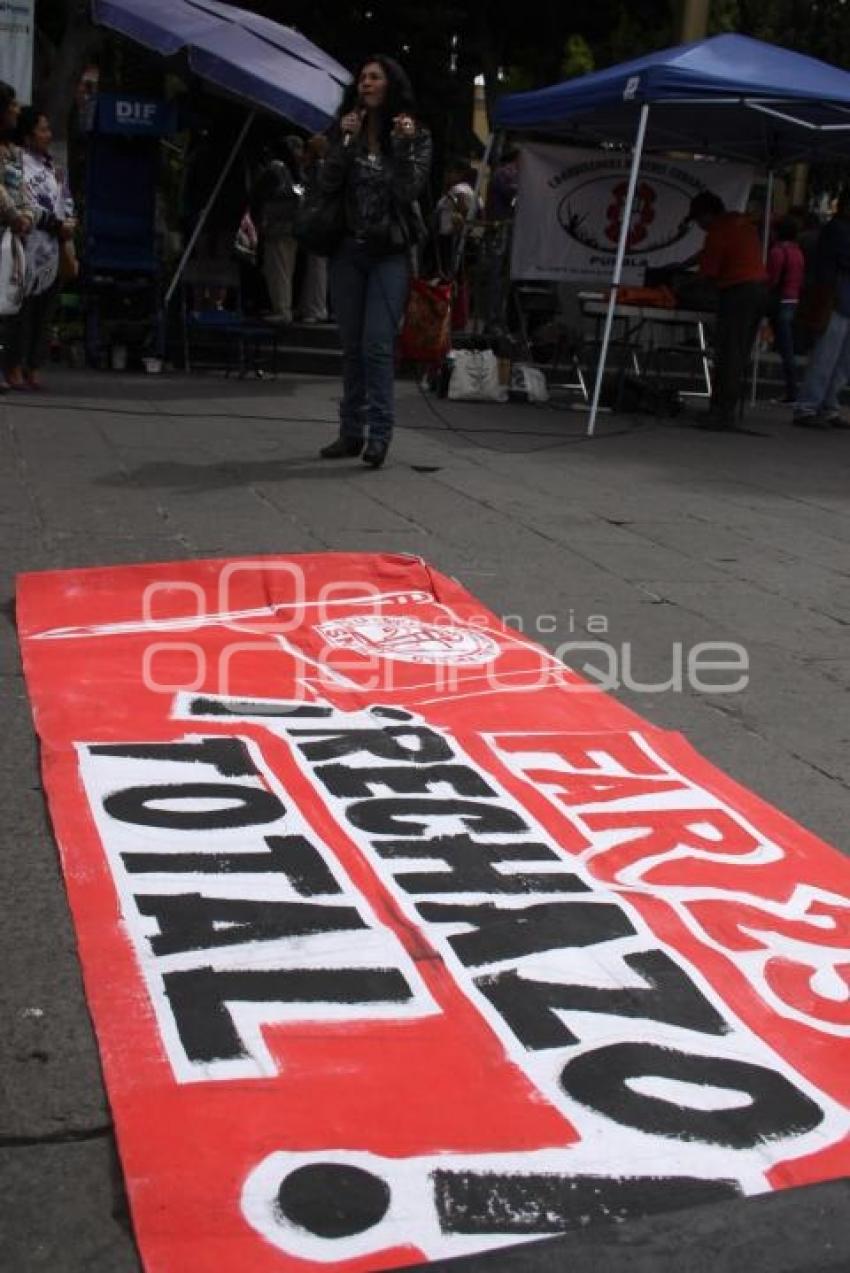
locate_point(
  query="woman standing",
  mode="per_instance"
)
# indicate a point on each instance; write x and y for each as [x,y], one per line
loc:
[378,162]
[28,331]
[786,268]
[15,212]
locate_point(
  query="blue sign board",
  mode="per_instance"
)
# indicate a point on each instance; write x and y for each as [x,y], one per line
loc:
[134,116]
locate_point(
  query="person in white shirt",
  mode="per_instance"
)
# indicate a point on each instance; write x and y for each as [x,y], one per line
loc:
[28,331]
[452,210]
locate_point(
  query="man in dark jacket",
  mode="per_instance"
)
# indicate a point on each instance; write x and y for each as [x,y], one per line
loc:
[829,362]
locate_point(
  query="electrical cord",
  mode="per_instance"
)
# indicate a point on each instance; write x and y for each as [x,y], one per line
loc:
[177,415]
[469,434]
[446,425]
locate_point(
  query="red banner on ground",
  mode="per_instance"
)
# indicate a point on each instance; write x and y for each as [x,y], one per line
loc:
[403,941]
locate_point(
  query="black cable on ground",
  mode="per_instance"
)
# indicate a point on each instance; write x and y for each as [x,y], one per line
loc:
[469,434]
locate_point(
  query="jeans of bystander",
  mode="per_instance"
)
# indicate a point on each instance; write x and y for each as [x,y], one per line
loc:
[828,370]
[783,328]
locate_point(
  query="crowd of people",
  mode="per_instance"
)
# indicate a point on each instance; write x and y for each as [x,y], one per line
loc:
[816,402]
[374,166]
[748,290]
[374,161]
[466,238]
[274,195]
[803,287]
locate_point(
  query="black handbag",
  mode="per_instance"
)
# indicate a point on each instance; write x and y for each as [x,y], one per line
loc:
[319,223]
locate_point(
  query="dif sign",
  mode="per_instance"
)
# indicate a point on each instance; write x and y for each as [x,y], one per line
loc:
[139,116]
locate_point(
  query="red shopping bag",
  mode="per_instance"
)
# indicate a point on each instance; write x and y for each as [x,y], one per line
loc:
[426,330]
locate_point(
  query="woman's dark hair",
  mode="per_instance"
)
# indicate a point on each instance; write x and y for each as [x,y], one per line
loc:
[28,122]
[398,101]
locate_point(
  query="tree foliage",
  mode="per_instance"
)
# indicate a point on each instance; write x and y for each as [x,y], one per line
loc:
[446,44]
[820,28]
[65,40]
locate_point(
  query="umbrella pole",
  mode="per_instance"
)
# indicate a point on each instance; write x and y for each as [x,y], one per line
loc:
[202,219]
[765,246]
[618,266]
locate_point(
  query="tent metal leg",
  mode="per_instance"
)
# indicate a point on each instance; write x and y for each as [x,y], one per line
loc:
[618,266]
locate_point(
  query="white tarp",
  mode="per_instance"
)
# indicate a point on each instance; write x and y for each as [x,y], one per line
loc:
[570,204]
[17,27]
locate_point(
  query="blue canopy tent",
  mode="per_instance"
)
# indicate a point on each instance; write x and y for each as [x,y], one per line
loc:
[242,54]
[727,96]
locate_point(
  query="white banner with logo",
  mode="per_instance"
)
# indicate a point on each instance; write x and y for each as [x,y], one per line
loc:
[570,207]
[17,27]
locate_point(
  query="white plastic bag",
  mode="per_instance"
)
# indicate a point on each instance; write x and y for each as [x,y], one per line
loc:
[475,377]
[12,272]
[528,383]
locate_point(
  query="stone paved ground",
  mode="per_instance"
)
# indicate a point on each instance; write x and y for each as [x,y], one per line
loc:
[674,536]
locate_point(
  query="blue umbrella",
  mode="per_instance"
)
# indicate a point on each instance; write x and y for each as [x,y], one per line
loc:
[268,65]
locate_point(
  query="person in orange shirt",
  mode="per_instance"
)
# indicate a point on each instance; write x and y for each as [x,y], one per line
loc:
[731,259]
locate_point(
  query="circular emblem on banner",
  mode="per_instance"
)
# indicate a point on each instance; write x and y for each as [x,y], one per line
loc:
[643,213]
[591,213]
[410,640]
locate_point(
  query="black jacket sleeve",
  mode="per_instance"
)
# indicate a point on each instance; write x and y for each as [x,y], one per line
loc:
[411,164]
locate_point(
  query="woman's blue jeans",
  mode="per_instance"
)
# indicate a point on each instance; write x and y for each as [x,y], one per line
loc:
[369,295]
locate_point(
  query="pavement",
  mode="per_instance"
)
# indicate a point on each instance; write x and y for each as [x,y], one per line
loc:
[655,533]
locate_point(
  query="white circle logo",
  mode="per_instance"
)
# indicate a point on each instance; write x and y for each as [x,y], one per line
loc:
[410,640]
